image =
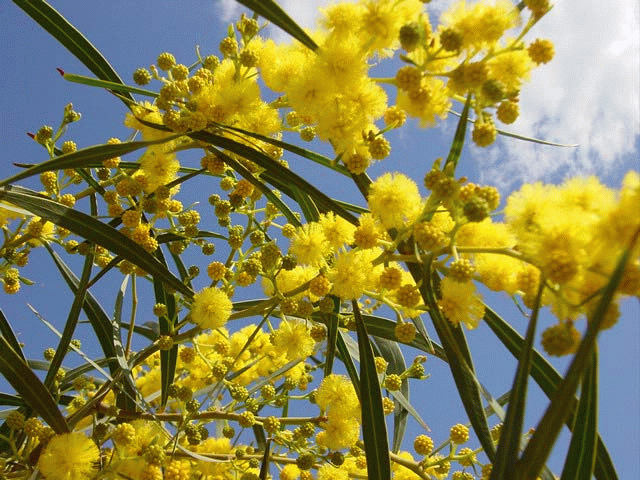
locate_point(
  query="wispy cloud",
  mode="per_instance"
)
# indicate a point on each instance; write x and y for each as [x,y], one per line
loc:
[588,95]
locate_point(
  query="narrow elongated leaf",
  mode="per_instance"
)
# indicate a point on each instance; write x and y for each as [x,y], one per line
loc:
[84,158]
[168,358]
[11,400]
[374,427]
[97,317]
[548,379]
[458,139]
[93,230]
[29,387]
[581,457]
[272,12]
[391,352]
[345,356]
[331,320]
[290,147]
[275,173]
[268,192]
[511,432]
[71,323]
[54,23]
[308,207]
[126,399]
[114,86]
[264,467]
[458,356]
[547,431]
[9,336]
[523,137]
[385,328]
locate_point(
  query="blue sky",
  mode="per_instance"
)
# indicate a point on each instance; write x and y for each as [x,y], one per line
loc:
[587,96]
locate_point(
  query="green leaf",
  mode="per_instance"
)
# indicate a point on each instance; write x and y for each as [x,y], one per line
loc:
[302,152]
[548,379]
[96,315]
[71,323]
[581,457]
[168,358]
[125,399]
[7,332]
[115,86]
[272,12]
[268,192]
[547,431]
[29,387]
[84,158]
[458,139]
[94,231]
[385,328]
[345,356]
[54,23]
[522,137]
[374,427]
[458,356]
[331,321]
[276,174]
[511,433]
[391,352]
[308,207]
[264,467]
[11,400]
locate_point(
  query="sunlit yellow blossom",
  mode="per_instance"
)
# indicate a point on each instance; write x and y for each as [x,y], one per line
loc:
[148,113]
[41,231]
[403,473]
[382,20]
[337,230]
[214,469]
[331,472]
[288,280]
[352,273]
[281,63]
[427,102]
[160,167]
[368,231]
[394,199]
[71,456]
[293,339]
[7,214]
[510,68]
[481,24]
[460,303]
[337,395]
[211,308]
[341,17]
[289,472]
[309,244]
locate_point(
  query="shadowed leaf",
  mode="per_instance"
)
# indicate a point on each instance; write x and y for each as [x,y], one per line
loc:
[581,457]
[547,431]
[272,12]
[29,387]
[548,379]
[10,337]
[374,427]
[511,432]
[94,231]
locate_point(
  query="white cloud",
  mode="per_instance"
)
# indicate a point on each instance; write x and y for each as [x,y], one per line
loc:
[588,95]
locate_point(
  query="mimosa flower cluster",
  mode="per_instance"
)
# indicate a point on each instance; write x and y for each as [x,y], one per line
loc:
[250,366]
